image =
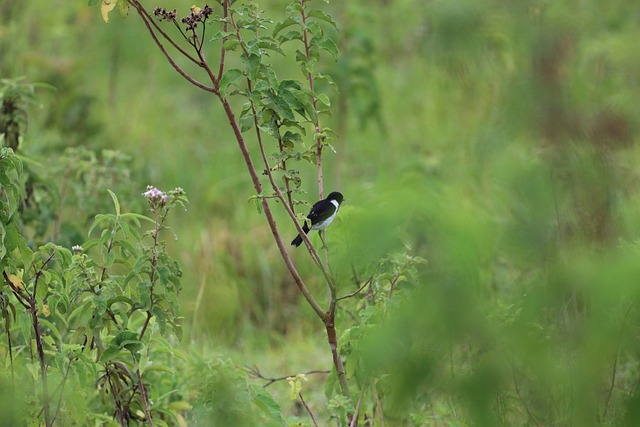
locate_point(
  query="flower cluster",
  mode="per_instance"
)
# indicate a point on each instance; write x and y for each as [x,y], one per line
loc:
[155,197]
[163,14]
[197,15]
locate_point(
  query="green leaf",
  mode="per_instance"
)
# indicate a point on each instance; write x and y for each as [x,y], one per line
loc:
[97,220]
[324,99]
[290,35]
[109,354]
[123,7]
[246,122]
[136,216]
[253,65]
[267,404]
[328,45]
[14,239]
[282,25]
[115,201]
[231,44]
[228,78]
[220,35]
[42,286]
[93,2]
[306,102]
[319,14]
[50,329]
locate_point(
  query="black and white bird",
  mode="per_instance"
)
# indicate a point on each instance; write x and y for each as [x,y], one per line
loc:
[321,215]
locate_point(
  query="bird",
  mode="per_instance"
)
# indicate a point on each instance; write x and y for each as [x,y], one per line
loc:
[321,215]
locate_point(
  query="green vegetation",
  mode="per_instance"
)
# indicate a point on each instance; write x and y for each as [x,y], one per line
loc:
[483,269]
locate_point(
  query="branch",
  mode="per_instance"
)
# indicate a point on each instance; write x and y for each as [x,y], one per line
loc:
[313,419]
[19,294]
[225,27]
[150,19]
[143,14]
[255,373]
[357,291]
[267,210]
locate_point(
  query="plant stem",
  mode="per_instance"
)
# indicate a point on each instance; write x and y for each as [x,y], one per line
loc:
[145,398]
[43,364]
[305,40]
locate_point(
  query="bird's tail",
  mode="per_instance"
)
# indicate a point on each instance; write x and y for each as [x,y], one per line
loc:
[298,240]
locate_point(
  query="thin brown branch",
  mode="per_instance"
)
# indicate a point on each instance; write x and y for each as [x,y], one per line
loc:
[255,373]
[258,186]
[267,211]
[141,11]
[43,364]
[332,337]
[136,5]
[145,398]
[225,28]
[313,419]
[357,291]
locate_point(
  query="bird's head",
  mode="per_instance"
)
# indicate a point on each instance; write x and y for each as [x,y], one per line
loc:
[335,196]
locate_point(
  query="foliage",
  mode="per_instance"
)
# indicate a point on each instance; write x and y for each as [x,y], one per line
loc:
[508,162]
[87,310]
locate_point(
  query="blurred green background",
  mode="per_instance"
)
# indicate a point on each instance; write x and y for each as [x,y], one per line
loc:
[498,139]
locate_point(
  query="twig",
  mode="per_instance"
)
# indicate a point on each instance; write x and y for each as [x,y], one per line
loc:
[150,19]
[313,419]
[143,14]
[356,413]
[357,291]
[225,27]
[255,372]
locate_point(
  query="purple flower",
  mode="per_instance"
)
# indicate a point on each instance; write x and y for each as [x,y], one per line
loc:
[155,196]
